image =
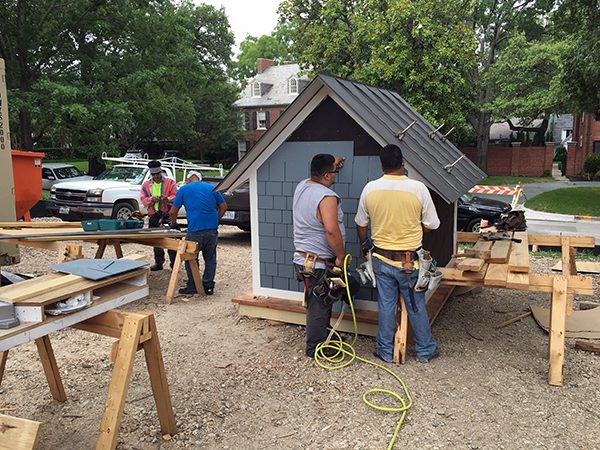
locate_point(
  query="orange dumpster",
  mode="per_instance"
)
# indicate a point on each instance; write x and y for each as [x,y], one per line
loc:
[27,176]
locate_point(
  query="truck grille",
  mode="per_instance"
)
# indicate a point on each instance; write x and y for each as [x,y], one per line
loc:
[70,196]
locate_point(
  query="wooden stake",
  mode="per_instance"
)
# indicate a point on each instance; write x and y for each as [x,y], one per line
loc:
[567,268]
[400,338]
[587,346]
[513,320]
[556,348]
[50,368]
[3,358]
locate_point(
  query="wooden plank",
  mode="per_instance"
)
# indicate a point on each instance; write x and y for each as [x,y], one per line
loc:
[109,323]
[51,368]
[567,267]
[158,379]
[517,280]
[587,346]
[558,314]
[496,275]
[119,383]
[452,274]
[470,264]
[40,224]
[500,252]
[83,285]
[466,236]
[17,433]
[36,286]
[518,260]
[555,241]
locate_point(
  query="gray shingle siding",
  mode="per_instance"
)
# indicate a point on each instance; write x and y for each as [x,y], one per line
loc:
[275,227]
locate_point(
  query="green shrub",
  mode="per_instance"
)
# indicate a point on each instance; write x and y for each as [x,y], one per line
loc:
[591,165]
[546,173]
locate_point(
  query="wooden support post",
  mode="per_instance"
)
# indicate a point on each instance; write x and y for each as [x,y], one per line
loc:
[3,358]
[400,339]
[50,368]
[119,383]
[139,331]
[158,379]
[69,252]
[193,260]
[558,314]
[175,272]
[101,248]
[118,249]
[568,261]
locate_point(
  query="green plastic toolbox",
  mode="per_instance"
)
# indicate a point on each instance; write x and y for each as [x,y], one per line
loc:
[90,225]
[112,224]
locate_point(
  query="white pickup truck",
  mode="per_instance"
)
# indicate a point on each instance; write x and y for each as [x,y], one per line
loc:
[113,194]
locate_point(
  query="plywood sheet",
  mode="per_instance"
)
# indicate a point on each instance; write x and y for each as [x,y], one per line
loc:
[579,324]
[582,267]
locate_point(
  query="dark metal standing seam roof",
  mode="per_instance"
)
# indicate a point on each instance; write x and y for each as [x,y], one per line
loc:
[387,114]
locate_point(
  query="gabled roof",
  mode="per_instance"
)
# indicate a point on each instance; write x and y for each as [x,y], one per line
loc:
[277,77]
[383,114]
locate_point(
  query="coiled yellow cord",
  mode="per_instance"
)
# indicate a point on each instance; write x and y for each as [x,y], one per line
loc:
[345,354]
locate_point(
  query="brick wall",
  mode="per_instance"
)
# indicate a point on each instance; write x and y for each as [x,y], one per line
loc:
[253,135]
[586,131]
[516,161]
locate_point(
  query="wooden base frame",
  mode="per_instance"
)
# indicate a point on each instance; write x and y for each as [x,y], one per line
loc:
[135,331]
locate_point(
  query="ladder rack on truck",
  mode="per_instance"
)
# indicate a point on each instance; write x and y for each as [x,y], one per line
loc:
[173,163]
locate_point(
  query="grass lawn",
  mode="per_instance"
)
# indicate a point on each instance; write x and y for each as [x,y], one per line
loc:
[511,181]
[581,201]
[81,164]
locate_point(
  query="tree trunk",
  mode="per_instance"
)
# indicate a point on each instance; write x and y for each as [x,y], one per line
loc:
[483,138]
[25,134]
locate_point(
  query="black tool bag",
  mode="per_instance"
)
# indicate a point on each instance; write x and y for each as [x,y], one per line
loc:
[512,221]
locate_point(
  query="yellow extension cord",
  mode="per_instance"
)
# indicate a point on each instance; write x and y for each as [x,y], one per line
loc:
[338,361]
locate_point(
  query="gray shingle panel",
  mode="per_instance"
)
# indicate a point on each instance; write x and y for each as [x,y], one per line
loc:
[281,283]
[265,202]
[265,228]
[270,243]
[266,281]
[280,230]
[280,202]
[273,215]
[267,256]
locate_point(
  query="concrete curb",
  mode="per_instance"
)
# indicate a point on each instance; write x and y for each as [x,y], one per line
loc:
[588,218]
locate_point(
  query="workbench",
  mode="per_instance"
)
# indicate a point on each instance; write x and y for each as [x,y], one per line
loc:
[55,235]
[134,331]
[505,264]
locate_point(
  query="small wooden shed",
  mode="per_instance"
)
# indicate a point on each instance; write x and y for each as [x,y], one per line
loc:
[353,120]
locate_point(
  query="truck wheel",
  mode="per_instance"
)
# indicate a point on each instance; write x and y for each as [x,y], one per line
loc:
[122,211]
[474,225]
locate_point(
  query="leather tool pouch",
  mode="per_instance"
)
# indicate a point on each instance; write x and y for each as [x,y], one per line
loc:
[308,268]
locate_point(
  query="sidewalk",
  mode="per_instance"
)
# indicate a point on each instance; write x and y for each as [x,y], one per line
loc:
[531,214]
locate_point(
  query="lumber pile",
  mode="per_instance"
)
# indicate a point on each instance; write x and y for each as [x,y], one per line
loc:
[502,263]
[32,296]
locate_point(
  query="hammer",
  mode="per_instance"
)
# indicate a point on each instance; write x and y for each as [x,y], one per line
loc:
[492,236]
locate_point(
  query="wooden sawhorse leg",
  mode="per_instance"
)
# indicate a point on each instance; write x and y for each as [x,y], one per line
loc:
[48,363]
[184,253]
[556,333]
[135,331]
[50,368]
[102,247]
[401,336]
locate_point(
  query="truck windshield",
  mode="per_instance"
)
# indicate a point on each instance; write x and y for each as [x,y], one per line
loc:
[133,175]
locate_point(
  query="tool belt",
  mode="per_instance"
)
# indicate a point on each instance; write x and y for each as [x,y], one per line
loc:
[306,255]
[406,257]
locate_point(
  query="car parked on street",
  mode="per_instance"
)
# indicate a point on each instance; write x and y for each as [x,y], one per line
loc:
[473,208]
[53,173]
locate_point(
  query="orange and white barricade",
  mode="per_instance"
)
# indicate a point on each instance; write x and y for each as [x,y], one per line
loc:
[515,191]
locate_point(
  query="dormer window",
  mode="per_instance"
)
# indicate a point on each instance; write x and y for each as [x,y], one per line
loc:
[256,89]
[293,86]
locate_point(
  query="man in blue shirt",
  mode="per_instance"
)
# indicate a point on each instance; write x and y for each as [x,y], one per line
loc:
[204,207]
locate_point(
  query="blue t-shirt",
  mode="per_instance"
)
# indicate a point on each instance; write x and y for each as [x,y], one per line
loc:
[201,205]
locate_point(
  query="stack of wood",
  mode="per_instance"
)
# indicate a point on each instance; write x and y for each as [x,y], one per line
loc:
[502,263]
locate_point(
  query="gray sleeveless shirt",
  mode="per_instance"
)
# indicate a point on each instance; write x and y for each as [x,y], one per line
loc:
[309,234]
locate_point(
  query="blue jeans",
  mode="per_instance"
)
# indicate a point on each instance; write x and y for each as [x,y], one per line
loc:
[207,244]
[392,281]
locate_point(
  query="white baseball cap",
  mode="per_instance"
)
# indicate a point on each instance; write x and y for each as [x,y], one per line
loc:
[194,173]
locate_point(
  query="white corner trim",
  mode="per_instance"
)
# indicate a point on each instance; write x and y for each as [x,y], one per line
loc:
[254,236]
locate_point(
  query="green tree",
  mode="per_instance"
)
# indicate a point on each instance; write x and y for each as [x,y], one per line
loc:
[527,84]
[273,46]
[578,23]
[101,75]
[422,50]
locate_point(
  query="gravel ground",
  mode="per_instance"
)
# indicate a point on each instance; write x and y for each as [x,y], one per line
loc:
[245,383]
